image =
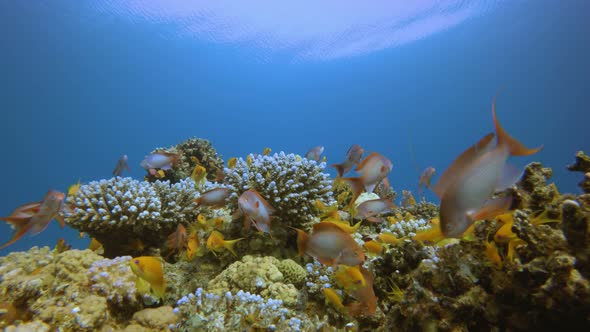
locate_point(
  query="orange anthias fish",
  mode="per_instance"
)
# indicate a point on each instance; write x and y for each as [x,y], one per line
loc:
[315,153]
[192,246]
[150,269]
[373,169]
[34,217]
[122,163]
[369,209]
[353,157]
[217,243]
[255,210]
[177,241]
[425,179]
[160,160]
[330,245]
[480,171]
[215,198]
[367,301]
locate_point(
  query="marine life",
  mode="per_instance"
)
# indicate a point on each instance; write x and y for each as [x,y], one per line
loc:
[177,241]
[73,189]
[199,174]
[353,157]
[266,151]
[388,238]
[330,245]
[150,269]
[425,179]
[231,163]
[333,298]
[369,209]
[373,169]
[373,247]
[344,225]
[34,217]
[255,210]
[475,176]
[192,246]
[122,163]
[367,301]
[349,277]
[160,160]
[408,199]
[96,246]
[215,198]
[315,153]
[217,243]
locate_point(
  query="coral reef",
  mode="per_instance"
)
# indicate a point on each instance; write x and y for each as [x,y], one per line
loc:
[533,191]
[260,275]
[582,164]
[118,210]
[238,311]
[290,183]
[194,151]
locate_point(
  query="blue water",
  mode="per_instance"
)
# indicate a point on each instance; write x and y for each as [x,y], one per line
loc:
[78,88]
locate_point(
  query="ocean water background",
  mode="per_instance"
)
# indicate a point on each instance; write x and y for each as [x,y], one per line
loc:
[83,82]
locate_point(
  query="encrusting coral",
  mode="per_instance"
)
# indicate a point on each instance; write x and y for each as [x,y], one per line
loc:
[194,151]
[119,209]
[291,184]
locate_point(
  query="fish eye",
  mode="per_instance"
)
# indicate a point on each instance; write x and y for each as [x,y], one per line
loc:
[137,261]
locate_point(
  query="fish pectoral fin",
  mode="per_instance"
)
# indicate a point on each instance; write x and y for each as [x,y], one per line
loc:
[510,175]
[61,220]
[492,208]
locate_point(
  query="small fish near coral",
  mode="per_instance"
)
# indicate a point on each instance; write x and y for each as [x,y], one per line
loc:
[353,157]
[315,153]
[34,217]
[374,168]
[122,164]
[255,210]
[330,245]
[160,160]
[151,270]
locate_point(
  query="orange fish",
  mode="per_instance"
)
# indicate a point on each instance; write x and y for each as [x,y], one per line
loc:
[466,197]
[334,298]
[353,157]
[160,160]
[177,241]
[216,243]
[330,245]
[367,301]
[373,169]
[373,207]
[96,246]
[256,211]
[150,269]
[215,198]
[34,217]
[425,179]
[349,277]
[192,246]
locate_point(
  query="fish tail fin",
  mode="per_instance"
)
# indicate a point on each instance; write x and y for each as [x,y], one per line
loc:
[493,208]
[356,186]
[504,139]
[159,289]
[20,229]
[339,168]
[302,239]
[229,245]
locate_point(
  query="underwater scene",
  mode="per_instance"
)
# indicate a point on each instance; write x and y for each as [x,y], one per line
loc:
[177,165]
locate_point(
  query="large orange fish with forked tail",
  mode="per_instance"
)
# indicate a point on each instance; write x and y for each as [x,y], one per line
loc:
[466,187]
[34,217]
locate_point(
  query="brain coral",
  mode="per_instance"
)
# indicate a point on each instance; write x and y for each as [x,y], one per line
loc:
[290,183]
[116,210]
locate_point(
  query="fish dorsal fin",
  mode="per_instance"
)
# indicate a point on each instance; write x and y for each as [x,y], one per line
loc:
[449,176]
[327,227]
[506,141]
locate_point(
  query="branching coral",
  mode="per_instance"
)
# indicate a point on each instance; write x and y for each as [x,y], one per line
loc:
[238,311]
[116,210]
[290,183]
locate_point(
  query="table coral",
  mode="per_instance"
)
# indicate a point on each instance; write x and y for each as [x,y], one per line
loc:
[117,210]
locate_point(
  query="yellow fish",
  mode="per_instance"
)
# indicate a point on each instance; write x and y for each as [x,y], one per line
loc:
[216,243]
[231,163]
[150,269]
[344,225]
[192,246]
[199,174]
[349,277]
[374,247]
[96,246]
[266,151]
[73,189]
[388,238]
[334,298]
[160,174]
[249,160]
[493,254]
